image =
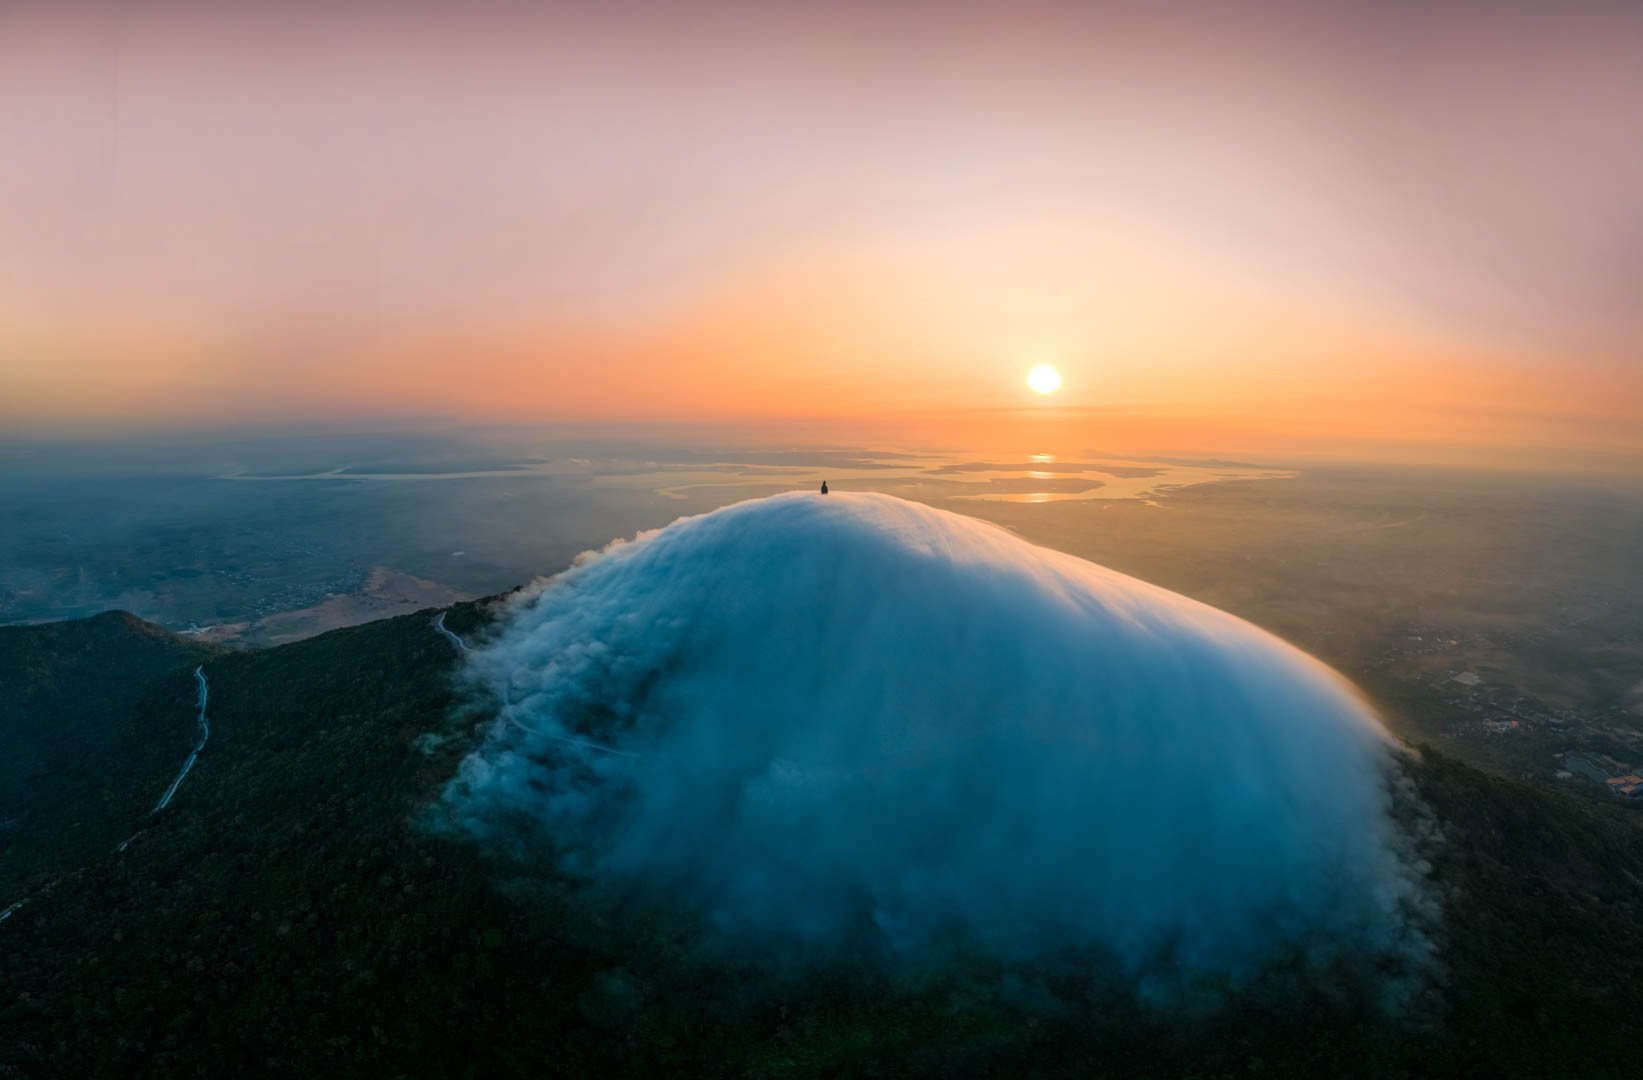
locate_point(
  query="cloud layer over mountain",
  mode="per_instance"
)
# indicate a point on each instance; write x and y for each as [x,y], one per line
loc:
[822,722]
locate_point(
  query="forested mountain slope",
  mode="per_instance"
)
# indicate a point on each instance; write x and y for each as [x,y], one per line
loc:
[95,717]
[293,913]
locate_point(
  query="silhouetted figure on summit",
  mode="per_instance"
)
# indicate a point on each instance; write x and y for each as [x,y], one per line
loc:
[824,487]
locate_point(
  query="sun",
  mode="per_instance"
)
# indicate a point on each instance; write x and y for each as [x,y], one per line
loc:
[1044,379]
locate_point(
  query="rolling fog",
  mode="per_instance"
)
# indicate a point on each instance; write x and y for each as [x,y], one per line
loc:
[846,722]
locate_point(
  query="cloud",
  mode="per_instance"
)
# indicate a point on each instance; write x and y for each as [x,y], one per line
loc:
[817,722]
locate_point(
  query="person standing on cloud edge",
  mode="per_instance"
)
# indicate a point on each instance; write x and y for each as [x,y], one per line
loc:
[824,487]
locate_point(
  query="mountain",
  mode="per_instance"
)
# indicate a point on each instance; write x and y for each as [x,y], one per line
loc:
[296,910]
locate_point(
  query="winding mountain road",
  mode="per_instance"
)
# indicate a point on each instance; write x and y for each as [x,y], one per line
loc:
[439,625]
[205,733]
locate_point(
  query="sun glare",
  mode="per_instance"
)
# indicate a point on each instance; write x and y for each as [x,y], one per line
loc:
[1044,379]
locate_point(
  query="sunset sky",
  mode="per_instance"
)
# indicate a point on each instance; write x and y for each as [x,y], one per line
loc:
[1389,229]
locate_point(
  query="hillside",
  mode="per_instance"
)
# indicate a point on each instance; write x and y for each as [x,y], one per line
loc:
[95,716]
[291,913]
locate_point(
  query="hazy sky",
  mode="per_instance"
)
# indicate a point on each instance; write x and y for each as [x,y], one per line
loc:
[1237,225]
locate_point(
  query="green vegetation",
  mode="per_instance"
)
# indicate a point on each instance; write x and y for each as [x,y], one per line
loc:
[292,913]
[94,721]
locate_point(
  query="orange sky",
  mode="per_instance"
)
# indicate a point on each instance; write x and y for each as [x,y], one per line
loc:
[1309,230]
